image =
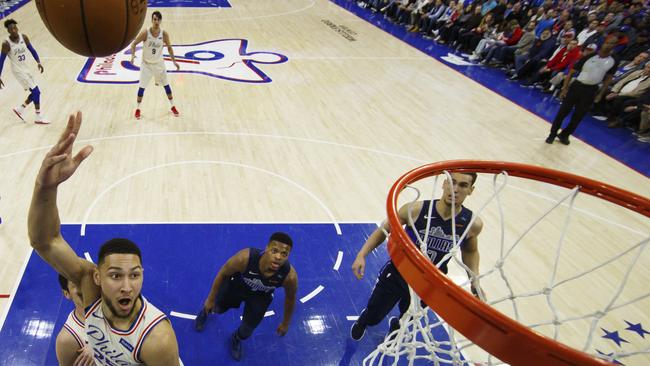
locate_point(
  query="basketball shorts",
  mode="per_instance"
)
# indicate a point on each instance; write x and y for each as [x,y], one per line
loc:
[157,71]
[25,79]
[232,293]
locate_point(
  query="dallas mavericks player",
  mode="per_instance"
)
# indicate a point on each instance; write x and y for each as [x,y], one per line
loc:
[153,63]
[251,276]
[121,326]
[391,288]
[71,346]
[16,47]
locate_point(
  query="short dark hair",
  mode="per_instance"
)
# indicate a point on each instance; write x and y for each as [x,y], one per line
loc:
[281,237]
[156,13]
[471,174]
[118,246]
[63,282]
[9,22]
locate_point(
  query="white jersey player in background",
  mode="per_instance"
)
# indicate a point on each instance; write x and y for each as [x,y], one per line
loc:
[15,48]
[153,62]
[121,326]
[71,346]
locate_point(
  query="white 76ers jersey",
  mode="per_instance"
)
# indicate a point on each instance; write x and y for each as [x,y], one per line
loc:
[114,347]
[18,55]
[76,327]
[153,47]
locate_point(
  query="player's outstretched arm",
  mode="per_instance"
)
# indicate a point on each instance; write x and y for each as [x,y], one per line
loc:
[170,49]
[3,57]
[33,52]
[378,236]
[160,348]
[140,38]
[43,219]
[471,257]
[236,263]
[290,286]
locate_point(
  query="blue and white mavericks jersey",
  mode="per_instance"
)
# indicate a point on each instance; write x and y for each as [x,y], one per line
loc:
[440,240]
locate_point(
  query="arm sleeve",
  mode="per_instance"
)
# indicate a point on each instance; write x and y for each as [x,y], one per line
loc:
[33,52]
[3,56]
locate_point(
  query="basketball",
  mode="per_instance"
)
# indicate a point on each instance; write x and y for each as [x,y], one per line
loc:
[93,28]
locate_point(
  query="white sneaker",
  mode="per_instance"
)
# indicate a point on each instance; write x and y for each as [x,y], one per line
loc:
[40,120]
[19,112]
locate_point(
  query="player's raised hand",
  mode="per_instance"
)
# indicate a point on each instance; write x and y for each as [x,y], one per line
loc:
[359,267]
[177,66]
[84,357]
[59,164]
[40,68]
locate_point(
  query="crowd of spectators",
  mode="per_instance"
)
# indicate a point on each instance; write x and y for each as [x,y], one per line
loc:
[537,43]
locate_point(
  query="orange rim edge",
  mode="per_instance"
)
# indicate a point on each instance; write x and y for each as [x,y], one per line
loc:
[496,333]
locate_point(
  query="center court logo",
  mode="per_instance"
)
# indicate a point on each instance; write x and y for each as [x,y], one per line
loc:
[226,59]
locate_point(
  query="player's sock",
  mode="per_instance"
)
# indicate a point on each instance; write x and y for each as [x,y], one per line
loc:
[171,102]
[235,346]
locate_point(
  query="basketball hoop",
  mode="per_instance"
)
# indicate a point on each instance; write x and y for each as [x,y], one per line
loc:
[499,335]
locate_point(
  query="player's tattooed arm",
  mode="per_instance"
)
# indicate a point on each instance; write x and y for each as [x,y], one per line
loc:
[290,285]
[236,263]
[379,236]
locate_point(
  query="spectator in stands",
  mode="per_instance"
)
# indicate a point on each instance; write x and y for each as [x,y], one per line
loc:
[427,21]
[587,32]
[470,39]
[517,13]
[514,34]
[631,87]
[504,54]
[562,61]
[546,21]
[532,60]
[627,67]
[599,37]
[423,7]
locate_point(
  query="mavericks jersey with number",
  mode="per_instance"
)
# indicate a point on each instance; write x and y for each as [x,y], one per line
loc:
[115,347]
[153,46]
[18,55]
[252,279]
[440,240]
[75,326]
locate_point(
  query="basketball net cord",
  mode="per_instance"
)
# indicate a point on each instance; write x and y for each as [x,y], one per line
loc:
[416,327]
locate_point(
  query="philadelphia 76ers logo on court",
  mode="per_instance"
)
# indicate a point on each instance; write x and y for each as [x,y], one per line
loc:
[223,58]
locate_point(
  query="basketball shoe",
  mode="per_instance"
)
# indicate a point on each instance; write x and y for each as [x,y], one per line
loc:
[175,112]
[19,112]
[137,113]
[41,120]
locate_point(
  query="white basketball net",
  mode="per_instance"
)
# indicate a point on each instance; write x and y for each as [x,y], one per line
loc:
[416,339]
